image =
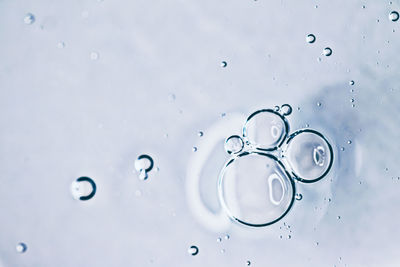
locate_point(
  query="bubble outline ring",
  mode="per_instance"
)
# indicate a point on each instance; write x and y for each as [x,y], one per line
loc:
[92,183]
[221,198]
[244,132]
[297,177]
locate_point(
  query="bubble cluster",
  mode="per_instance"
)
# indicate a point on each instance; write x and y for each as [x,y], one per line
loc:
[256,185]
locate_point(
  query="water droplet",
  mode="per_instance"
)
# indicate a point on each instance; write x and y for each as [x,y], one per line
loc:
[224,64]
[299,196]
[394,16]
[94,55]
[319,104]
[255,189]
[349,142]
[227,237]
[194,149]
[144,164]
[248,263]
[351,82]
[364,7]
[309,155]
[289,236]
[338,217]
[219,239]
[234,144]
[342,148]
[29,19]
[310,38]
[265,129]
[83,188]
[327,51]
[21,247]
[316,243]
[193,250]
[286,109]
[352,100]
[200,134]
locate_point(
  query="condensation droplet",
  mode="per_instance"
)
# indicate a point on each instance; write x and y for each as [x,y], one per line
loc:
[94,55]
[83,188]
[352,100]
[289,236]
[224,64]
[319,104]
[234,144]
[29,19]
[327,51]
[21,247]
[351,82]
[219,239]
[342,148]
[310,38]
[227,237]
[286,109]
[299,196]
[349,142]
[248,263]
[338,217]
[144,164]
[394,16]
[194,149]
[200,134]
[193,250]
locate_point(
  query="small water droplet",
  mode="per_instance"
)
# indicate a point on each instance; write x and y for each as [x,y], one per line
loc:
[286,109]
[193,250]
[194,149]
[394,16]
[227,237]
[310,38]
[351,82]
[219,239]
[224,64]
[94,55]
[316,243]
[29,19]
[363,6]
[299,196]
[342,148]
[352,100]
[327,51]
[234,144]
[248,263]
[349,142]
[83,188]
[338,217]
[319,104]
[21,247]
[289,236]
[200,134]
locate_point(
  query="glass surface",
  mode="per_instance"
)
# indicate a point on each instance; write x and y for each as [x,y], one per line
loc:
[89,86]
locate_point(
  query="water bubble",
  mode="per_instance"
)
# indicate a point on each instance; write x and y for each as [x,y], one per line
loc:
[83,188]
[143,164]
[200,134]
[349,142]
[327,51]
[224,64]
[234,144]
[342,148]
[310,38]
[265,129]
[352,100]
[193,250]
[286,109]
[219,239]
[227,237]
[255,189]
[309,155]
[338,217]
[94,55]
[194,149]
[351,82]
[299,196]
[319,104]
[289,236]
[29,19]
[394,16]
[21,247]
[248,263]
[363,6]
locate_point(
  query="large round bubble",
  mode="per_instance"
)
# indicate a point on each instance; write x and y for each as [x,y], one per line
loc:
[255,189]
[265,129]
[309,155]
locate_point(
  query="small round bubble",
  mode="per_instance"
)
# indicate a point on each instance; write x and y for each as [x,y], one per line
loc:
[29,19]
[394,16]
[193,250]
[310,38]
[234,144]
[286,109]
[327,51]
[21,247]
